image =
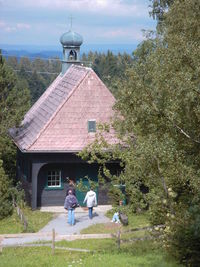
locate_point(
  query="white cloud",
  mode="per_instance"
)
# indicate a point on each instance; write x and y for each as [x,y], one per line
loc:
[23,26]
[136,8]
[98,21]
[119,34]
[12,28]
[5,27]
[2,24]
[124,33]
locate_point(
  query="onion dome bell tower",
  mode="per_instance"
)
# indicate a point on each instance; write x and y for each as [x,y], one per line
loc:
[71,42]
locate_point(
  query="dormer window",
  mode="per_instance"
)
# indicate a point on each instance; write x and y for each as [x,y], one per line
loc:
[91,126]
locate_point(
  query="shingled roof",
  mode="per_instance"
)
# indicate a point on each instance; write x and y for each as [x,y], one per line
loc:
[58,120]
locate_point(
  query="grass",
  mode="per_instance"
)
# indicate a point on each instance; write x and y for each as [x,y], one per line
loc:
[101,228]
[135,221]
[36,220]
[105,254]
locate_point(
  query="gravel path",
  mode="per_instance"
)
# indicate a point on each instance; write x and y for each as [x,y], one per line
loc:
[61,228]
[82,221]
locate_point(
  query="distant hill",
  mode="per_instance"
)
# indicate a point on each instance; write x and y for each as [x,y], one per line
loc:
[56,51]
[25,53]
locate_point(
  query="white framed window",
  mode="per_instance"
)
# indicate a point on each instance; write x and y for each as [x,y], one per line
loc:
[91,126]
[54,178]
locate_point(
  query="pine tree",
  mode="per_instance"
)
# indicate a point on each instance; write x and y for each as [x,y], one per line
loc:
[14,102]
[5,196]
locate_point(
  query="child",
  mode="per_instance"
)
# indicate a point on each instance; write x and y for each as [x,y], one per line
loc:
[115,217]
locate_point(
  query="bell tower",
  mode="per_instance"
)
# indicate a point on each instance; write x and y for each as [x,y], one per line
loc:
[71,42]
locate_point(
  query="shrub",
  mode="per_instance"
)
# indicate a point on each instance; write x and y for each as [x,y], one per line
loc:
[6,207]
[184,236]
[158,212]
[115,195]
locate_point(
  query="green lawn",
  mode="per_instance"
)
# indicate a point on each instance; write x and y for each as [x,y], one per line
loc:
[105,254]
[135,221]
[36,220]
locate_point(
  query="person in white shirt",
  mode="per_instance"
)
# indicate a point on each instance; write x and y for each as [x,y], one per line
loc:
[91,201]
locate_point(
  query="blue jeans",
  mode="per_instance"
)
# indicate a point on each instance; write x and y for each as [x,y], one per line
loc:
[71,218]
[115,217]
[90,212]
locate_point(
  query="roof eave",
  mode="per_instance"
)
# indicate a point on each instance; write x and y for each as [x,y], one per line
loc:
[49,151]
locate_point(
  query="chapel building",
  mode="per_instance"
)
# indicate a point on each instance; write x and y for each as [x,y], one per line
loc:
[59,125]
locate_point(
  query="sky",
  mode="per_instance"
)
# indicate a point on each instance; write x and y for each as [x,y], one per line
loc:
[42,22]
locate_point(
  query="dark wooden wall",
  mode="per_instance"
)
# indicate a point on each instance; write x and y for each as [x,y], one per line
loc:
[54,197]
[68,163]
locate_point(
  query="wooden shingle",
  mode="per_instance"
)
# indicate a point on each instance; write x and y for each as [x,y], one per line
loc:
[58,120]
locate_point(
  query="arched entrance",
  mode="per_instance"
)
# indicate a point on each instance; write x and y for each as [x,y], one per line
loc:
[52,183]
[53,180]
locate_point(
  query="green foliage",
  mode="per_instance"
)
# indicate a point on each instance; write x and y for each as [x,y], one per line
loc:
[158,211]
[183,234]
[36,221]
[18,195]
[81,186]
[115,195]
[106,254]
[109,67]
[159,8]
[6,207]
[14,102]
[33,74]
[159,105]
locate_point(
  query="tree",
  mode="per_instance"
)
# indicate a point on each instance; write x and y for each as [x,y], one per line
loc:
[14,102]
[12,62]
[5,196]
[109,67]
[160,105]
[159,8]
[36,85]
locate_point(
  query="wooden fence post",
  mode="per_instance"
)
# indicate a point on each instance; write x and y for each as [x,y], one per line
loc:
[21,215]
[118,238]
[53,241]
[25,224]
[1,246]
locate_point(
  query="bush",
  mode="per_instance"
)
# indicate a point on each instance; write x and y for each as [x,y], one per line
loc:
[184,236]
[18,195]
[6,207]
[158,211]
[115,195]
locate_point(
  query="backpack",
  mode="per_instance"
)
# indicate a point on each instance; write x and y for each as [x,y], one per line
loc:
[75,205]
[73,202]
[124,218]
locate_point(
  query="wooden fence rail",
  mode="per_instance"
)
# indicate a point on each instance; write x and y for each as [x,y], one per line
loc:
[119,233]
[50,244]
[118,237]
[160,226]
